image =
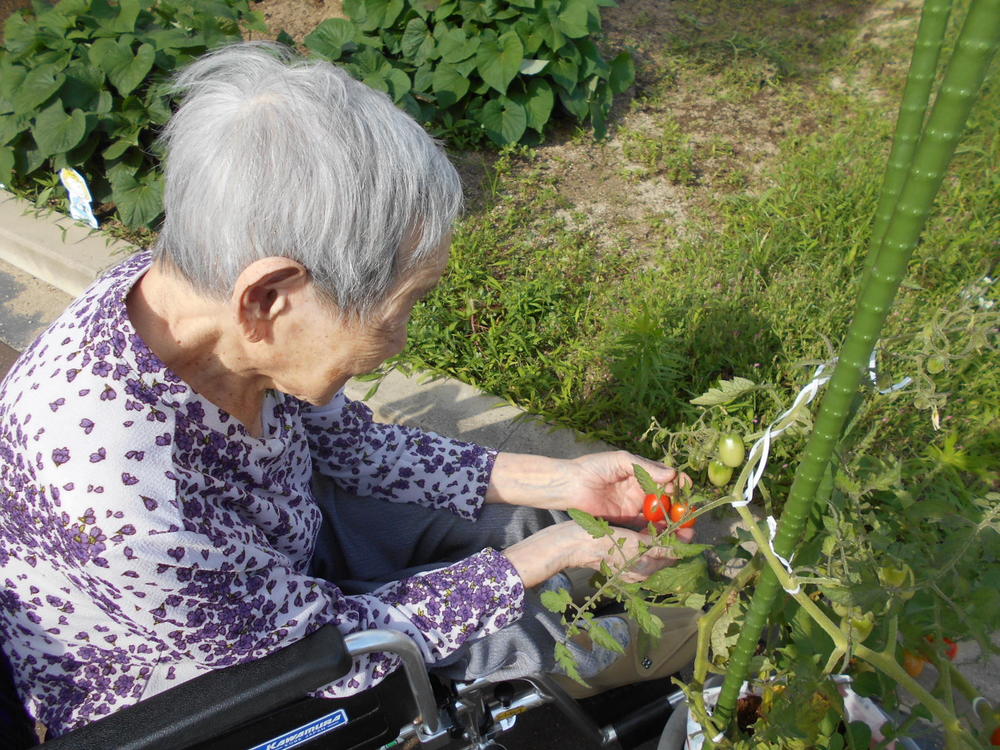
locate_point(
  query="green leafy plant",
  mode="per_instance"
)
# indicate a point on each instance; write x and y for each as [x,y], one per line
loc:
[476,70]
[884,563]
[83,85]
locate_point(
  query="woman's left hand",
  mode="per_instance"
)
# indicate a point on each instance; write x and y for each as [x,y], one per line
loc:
[604,485]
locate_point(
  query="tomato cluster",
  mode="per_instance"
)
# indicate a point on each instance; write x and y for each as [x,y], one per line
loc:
[730,454]
[658,508]
[914,663]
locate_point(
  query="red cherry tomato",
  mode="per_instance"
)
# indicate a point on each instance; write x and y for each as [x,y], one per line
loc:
[951,650]
[680,511]
[995,737]
[656,507]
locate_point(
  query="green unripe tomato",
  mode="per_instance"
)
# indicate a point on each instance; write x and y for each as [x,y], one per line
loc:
[718,473]
[892,576]
[697,460]
[731,450]
[936,364]
[897,578]
[862,625]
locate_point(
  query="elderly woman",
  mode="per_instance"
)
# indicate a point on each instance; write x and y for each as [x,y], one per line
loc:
[184,484]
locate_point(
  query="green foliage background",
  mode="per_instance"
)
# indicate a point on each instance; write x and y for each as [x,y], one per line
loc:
[474,70]
[84,83]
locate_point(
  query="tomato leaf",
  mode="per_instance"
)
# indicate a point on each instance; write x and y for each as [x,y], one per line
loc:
[566,660]
[556,601]
[639,609]
[599,635]
[726,392]
[596,527]
[682,550]
[646,481]
[687,576]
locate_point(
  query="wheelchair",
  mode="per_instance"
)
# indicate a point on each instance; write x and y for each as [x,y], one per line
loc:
[265,705]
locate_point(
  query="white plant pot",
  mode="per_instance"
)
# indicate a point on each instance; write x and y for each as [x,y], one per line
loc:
[682,732]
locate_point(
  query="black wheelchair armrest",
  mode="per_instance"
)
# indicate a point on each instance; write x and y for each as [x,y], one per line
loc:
[199,709]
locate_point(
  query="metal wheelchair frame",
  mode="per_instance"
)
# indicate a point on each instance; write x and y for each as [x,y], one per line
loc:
[220,709]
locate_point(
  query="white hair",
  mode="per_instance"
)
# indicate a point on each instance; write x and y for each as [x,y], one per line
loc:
[273,155]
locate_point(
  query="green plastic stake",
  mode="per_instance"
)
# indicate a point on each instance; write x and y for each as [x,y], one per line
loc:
[916,94]
[977,42]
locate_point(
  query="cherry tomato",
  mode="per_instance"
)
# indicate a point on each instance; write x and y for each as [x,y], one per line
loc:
[656,507]
[913,664]
[995,737]
[680,511]
[731,450]
[862,625]
[719,474]
[897,578]
[951,650]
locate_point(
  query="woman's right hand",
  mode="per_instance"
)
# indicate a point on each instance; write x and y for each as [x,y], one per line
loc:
[566,545]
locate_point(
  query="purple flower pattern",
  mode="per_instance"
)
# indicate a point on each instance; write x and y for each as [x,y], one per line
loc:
[146,537]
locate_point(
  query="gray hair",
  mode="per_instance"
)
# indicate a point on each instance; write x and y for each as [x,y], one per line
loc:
[273,155]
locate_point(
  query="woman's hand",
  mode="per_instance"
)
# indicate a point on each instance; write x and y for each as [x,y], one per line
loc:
[566,545]
[602,484]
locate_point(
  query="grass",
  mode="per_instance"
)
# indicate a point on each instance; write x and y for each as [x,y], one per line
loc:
[761,274]
[762,130]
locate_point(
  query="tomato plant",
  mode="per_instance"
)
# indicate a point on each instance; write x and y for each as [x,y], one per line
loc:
[656,507]
[863,545]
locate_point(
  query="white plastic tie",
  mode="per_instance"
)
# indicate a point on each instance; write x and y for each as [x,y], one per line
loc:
[762,448]
[79,196]
[772,525]
[873,374]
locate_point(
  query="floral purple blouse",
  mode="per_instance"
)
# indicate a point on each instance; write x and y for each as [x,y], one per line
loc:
[145,537]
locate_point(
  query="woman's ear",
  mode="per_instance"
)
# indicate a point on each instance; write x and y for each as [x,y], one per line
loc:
[262,292]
